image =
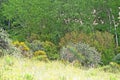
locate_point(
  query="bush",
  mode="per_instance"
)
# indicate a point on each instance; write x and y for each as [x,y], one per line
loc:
[40,55]
[117,58]
[39,52]
[33,37]
[36,45]
[75,37]
[86,55]
[23,47]
[4,40]
[6,46]
[51,50]
[102,41]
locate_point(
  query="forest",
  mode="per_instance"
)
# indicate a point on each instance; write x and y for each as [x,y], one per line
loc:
[41,36]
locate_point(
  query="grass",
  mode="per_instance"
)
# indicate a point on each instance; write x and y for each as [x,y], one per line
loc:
[12,68]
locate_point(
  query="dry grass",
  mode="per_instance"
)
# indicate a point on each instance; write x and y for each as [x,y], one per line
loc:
[12,68]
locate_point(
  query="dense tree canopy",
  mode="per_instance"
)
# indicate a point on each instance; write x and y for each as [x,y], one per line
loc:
[51,20]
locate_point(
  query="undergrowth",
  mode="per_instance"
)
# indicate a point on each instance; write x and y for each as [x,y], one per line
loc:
[12,68]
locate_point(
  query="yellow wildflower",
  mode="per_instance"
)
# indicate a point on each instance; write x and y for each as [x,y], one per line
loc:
[39,52]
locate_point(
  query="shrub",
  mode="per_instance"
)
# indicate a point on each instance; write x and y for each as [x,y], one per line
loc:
[36,45]
[6,46]
[51,50]
[86,55]
[39,52]
[4,40]
[102,41]
[33,37]
[40,55]
[112,67]
[23,47]
[117,58]
[16,43]
[75,37]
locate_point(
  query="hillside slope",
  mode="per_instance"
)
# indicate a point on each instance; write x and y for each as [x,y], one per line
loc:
[12,68]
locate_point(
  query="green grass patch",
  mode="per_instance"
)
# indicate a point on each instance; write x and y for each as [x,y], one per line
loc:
[12,68]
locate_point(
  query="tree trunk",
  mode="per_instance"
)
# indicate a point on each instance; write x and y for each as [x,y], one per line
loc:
[9,24]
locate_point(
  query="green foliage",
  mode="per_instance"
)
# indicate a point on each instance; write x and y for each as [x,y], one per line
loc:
[86,55]
[51,50]
[119,14]
[33,37]
[117,58]
[36,45]
[50,20]
[102,41]
[27,12]
[112,67]
[54,18]
[31,16]
[117,50]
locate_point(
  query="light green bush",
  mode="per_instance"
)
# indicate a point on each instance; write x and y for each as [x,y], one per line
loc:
[86,55]
[4,40]
[6,45]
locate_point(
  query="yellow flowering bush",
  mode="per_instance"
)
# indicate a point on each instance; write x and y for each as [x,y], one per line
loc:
[16,43]
[22,45]
[25,50]
[40,55]
[39,52]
